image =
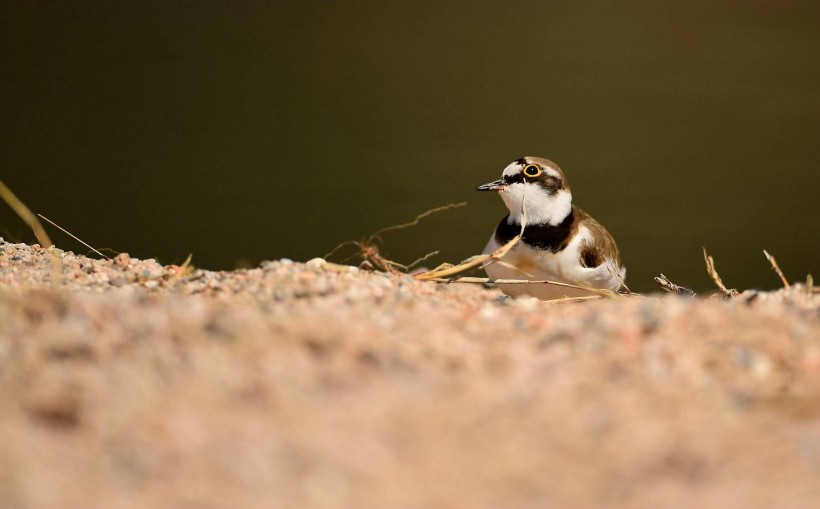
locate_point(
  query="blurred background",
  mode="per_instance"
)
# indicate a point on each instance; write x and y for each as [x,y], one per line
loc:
[241,131]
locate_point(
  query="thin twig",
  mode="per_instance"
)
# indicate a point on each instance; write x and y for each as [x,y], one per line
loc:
[777,269]
[343,244]
[25,214]
[418,218]
[74,236]
[710,269]
[419,260]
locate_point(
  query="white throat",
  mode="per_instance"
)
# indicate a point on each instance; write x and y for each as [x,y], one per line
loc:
[539,206]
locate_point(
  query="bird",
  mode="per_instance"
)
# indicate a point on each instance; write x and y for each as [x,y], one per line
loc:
[559,241]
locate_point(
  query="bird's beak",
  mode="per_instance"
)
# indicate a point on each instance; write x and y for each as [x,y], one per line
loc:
[498,185]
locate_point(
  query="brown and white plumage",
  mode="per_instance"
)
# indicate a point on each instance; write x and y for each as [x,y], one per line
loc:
[560,241]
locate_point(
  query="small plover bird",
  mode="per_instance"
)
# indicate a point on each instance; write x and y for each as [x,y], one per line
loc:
[560,242]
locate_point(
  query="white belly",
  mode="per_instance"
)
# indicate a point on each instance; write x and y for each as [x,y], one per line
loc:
[563,267]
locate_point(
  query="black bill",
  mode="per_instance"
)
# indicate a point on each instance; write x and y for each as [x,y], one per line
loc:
[492,186]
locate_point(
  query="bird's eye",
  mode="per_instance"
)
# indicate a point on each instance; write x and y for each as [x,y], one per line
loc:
[532,171]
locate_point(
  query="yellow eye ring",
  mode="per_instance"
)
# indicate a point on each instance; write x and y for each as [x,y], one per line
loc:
[532,171]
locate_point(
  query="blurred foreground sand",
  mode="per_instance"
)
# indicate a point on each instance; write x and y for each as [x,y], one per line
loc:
[127,384]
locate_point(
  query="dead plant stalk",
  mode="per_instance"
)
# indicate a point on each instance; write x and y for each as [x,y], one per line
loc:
[710,269]
[25,214]
[776,268]
[89,246]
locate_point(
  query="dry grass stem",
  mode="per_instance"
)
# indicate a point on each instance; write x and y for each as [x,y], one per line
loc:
[25,214]
[482,280]
[340,246]
[776,268]
[710,269]
[421,259]
[73,236]
[184,270]
[583,298]
[472,263]
[671,287]
[626,288]
[509,265]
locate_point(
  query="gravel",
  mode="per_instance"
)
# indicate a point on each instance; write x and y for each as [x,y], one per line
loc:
[126,383]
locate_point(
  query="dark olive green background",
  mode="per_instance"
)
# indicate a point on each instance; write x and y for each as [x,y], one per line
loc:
[242,131]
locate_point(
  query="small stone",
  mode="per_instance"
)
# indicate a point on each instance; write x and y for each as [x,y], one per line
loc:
[122,260]
[118,281]
[316,264]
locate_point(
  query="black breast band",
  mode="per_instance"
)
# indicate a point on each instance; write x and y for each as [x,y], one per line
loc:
[552,238]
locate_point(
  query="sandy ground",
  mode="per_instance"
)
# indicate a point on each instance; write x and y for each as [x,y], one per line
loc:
[127,384]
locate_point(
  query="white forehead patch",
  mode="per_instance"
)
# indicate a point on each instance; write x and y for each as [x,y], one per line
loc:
[511,170]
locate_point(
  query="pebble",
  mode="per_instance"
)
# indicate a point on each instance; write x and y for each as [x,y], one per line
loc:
[118,281]
[122,260]
[316,264]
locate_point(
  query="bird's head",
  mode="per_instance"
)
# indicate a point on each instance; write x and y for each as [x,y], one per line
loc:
[535,187]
